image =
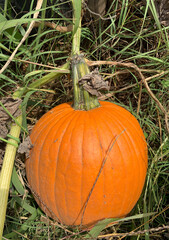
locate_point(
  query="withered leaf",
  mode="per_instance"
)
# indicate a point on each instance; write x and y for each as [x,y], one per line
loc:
[25,146]
[3,130]
[12,105]
[94,83]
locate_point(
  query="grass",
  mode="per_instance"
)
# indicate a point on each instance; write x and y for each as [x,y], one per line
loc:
[130,35]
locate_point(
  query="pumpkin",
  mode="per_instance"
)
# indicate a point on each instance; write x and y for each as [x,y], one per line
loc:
[86,166]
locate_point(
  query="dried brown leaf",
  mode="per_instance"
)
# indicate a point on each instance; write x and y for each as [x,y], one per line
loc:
[94,83]
[12,105]
[25,146]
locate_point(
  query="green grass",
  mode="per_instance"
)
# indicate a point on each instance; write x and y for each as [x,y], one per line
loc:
[131,35]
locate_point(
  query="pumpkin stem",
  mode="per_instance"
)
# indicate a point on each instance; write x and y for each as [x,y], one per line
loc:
[83,100]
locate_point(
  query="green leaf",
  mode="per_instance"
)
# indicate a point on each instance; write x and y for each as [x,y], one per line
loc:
[3,57]
[33,73]
[165,83]
[95,231]
[13,23]
[25,226]
[5,48]
[24,105]
[16,182]
[2,18]
[6,78]
[24,205]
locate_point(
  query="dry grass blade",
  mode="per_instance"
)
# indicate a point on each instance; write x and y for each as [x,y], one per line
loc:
[62,29]
[151,230]
[110,94]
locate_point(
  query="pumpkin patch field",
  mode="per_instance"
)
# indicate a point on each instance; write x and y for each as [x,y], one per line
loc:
[84,120]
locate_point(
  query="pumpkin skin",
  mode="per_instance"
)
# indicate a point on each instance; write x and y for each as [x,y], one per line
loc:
[69,147]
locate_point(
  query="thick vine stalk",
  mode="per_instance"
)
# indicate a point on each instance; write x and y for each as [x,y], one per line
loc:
[6,171]
[82,99]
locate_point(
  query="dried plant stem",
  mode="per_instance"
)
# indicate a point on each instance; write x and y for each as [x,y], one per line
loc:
[53,25]
[132,65]
[151,230]
[110,94]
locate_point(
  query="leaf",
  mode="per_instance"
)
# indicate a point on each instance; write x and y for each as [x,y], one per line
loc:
[6,78]
[9,108]
[30,74]
[165,83]
[13,23]
[3,47]
[24,105]
[25,226]
[24,205]
[2,18]
[3,57]
[16,182]
[95,231]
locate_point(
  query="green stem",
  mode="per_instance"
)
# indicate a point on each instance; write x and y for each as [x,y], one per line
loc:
[44,80]
[6,171]
[77,6]
[82,99]
[5,7]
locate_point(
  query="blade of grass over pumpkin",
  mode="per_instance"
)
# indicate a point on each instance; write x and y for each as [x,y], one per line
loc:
[95,231]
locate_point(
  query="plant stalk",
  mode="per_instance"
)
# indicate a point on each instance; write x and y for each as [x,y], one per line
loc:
[82,99]
[77,6]
[42,81]
[6,171]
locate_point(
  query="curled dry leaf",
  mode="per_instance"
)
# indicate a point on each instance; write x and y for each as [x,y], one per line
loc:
[94,83]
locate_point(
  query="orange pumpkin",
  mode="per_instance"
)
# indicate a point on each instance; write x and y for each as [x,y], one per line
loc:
[86,166]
